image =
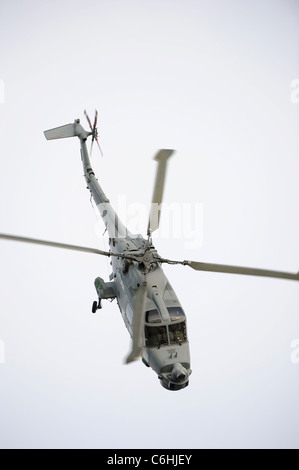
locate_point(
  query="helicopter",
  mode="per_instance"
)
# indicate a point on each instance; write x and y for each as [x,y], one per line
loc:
[150,308]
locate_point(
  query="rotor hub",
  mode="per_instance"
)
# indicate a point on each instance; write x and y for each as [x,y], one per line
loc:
[149,258]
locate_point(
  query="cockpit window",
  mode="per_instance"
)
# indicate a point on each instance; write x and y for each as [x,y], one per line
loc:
[152,316]
[176,313]
[155,336]
[178,333]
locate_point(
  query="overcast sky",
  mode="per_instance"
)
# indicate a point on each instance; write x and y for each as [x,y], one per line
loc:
[216,81]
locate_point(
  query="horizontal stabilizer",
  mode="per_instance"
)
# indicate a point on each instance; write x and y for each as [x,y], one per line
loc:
[60,132]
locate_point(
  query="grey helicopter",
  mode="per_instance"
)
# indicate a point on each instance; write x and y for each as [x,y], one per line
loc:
[149,306]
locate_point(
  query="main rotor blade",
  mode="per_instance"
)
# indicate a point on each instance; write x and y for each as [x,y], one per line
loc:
[224,268]
[154,218]
[66,246]
[138,323]
[54,244]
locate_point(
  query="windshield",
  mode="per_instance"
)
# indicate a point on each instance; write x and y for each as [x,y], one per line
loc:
[155,336]
[152,316]
[176,313]
[178,333]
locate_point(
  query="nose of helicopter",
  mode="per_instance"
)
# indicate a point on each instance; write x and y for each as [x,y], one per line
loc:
[178,372]
[177,379]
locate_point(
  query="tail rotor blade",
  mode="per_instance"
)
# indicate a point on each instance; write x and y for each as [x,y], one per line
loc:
[99,146]
[95,120]
[91,146]
[87,117]
[138,323]
[94,131]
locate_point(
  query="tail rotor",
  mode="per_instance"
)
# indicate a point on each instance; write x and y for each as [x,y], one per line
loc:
[94,131]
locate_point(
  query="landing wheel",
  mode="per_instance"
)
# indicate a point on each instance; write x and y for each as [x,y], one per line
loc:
[94,306]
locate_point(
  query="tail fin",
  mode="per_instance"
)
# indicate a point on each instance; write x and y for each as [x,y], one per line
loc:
[61,132]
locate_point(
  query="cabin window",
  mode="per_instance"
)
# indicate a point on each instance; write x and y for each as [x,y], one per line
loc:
[178,333]
[176,313]
[155,336]
[152,316]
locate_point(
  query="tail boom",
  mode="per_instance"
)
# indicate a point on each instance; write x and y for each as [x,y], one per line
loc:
[114,226]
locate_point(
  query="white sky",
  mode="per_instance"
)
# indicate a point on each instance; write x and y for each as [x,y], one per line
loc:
[211,79]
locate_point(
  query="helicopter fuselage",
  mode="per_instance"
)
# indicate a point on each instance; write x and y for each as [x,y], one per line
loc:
[164,336]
